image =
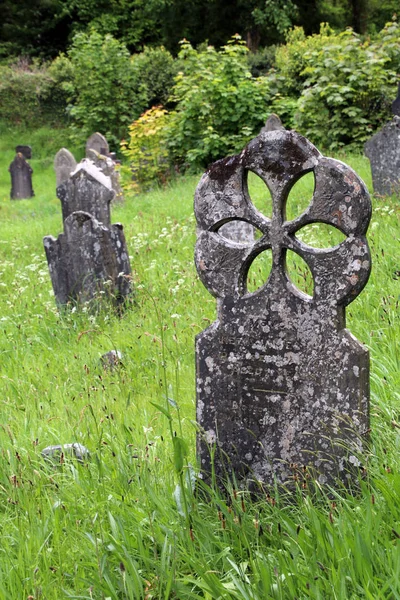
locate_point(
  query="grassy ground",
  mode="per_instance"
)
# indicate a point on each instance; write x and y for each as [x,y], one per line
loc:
[125,526]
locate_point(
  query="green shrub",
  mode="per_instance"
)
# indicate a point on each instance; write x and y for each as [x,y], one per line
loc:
[107,92]
[29,96]
[155,68]
[220,106]
[348,88]
[146,149]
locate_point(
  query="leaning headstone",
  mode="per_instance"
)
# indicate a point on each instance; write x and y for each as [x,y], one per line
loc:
[383,151]
[26,151]
[99,143]
[107,165]
[87,189]
[88,260]
[273,123]
[64,165]
[282,386]
[21,178]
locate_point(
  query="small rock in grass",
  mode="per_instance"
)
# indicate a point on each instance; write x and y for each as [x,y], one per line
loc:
[75,450]
[111,360]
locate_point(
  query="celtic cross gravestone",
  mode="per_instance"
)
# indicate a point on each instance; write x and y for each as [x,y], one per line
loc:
[282,385]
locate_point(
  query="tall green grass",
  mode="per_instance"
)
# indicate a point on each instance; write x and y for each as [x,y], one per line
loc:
[118,527]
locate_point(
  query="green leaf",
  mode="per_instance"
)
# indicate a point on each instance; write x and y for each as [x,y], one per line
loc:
[162,409]
[180,453]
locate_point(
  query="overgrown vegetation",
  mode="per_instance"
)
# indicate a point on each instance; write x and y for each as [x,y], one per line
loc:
[126,525]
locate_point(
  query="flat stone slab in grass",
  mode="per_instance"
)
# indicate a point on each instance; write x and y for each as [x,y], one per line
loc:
[88,190]
[383,151]
[282,385]
[88,260]
[21,178]
[64,165]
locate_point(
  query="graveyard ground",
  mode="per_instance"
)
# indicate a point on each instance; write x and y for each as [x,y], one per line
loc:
[125,525]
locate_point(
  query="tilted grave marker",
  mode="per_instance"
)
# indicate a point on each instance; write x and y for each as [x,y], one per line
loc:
[87,189]
[106,164]
[64,165]
[90,259]
[97,142]
[21,178]
[282,386]
[383,151]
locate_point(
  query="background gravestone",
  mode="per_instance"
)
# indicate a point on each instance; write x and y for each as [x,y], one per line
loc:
[383,151]
[106,164]
[88,258]
[99,143]
[26,151]
[88,190]
[21,178]
[396,103]
[64,165]
[282,386]
[273,123]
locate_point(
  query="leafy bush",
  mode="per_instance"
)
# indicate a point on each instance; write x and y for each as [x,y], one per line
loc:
[106,90]
[156,69]
[146,149]
[29,96]
[348,88]
[220,106]
[262,61]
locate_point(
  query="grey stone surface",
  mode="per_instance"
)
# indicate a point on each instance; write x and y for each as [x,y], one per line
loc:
[107,165]
[25,150]
[282,385]
[383,151]
[88,260]
[97,142]
[55,454]
[273,123]
[21,178]
[396,103]
[111,360]
[88,190]
[64,165]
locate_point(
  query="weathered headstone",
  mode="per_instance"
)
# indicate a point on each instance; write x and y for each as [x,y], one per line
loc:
[21,178]
[273,123]
[56,454]
[396,103]
[64,165]
[88,260]
[106,164]
[282,386]
[97,142]
[383,151]
[26,151]
[88,190]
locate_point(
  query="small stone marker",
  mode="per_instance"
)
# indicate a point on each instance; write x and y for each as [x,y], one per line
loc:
[88,190]
[383,151]
[90,259]
[273,123]
[64,165]
[396,104]
[21,178]
[26,151]
[282,386]
[111,360]
[98,143]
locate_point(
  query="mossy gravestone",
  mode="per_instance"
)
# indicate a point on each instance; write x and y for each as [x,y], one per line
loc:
[90,259]
[282,385]
[21,178]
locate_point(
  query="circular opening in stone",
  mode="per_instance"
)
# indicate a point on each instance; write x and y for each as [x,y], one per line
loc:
[298,273]
[259,194]
[300,196]
[259,271]
[320,235]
